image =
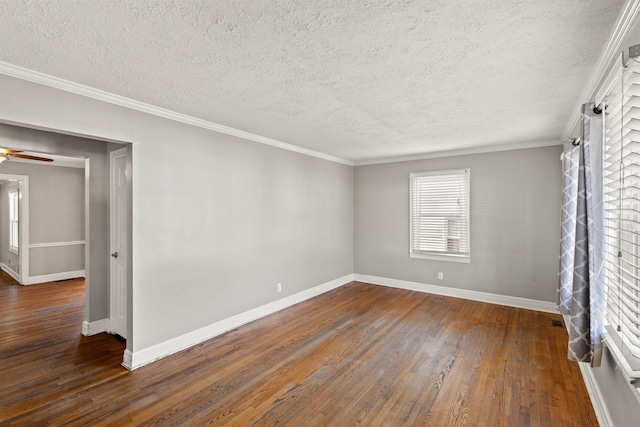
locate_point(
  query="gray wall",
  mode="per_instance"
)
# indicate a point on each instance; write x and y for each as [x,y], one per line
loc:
[617,393]
[56,214]
[218,223]
[57,259]
[515,223]
[95,151]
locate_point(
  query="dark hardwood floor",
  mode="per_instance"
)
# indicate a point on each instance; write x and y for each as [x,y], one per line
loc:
[6,279]
[358,355]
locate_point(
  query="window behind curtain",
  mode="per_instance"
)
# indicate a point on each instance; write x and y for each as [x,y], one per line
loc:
[14,196]
[439,215]
[622,214]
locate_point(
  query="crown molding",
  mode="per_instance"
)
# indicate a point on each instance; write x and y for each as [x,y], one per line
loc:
[459,152]
[610,52]
[100,95]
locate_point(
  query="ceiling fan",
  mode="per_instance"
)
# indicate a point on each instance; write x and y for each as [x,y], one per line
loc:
[5,153]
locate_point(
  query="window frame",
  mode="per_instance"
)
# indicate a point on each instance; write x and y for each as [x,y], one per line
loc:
[441,256]
[617,209]
[14,220]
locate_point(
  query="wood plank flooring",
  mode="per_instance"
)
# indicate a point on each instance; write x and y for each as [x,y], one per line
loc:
[359,355]
[6,279]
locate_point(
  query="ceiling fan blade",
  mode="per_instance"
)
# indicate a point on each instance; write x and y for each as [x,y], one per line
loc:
[25,156]
[7,151]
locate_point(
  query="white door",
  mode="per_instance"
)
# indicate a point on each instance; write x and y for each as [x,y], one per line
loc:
[119,236]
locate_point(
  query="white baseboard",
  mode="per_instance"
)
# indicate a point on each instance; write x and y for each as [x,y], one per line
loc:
[10,271]
[597,400]
[136,359]
[65,275]
[95,327]
[530,304]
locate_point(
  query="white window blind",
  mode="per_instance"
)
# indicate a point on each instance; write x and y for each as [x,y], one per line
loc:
[622,216]
[439,215]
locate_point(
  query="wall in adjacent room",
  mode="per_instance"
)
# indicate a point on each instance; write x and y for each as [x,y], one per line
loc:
[56,216]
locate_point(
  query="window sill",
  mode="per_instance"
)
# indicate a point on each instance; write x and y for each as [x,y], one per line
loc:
[14,251]
[435,257]
[629,365]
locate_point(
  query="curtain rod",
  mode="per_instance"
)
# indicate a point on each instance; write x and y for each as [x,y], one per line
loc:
[598,109]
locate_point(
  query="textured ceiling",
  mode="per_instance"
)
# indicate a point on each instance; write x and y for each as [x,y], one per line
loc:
[355,79]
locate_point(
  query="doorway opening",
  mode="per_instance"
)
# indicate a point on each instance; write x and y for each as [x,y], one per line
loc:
[93,242]
[14,226]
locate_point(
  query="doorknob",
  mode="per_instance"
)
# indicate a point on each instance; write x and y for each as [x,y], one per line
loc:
[115,254]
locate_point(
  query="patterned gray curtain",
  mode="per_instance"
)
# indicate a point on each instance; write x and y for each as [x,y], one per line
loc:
[570,166]
[581,274]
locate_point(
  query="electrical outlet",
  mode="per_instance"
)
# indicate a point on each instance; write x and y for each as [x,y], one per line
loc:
[279,287]
[440,276]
